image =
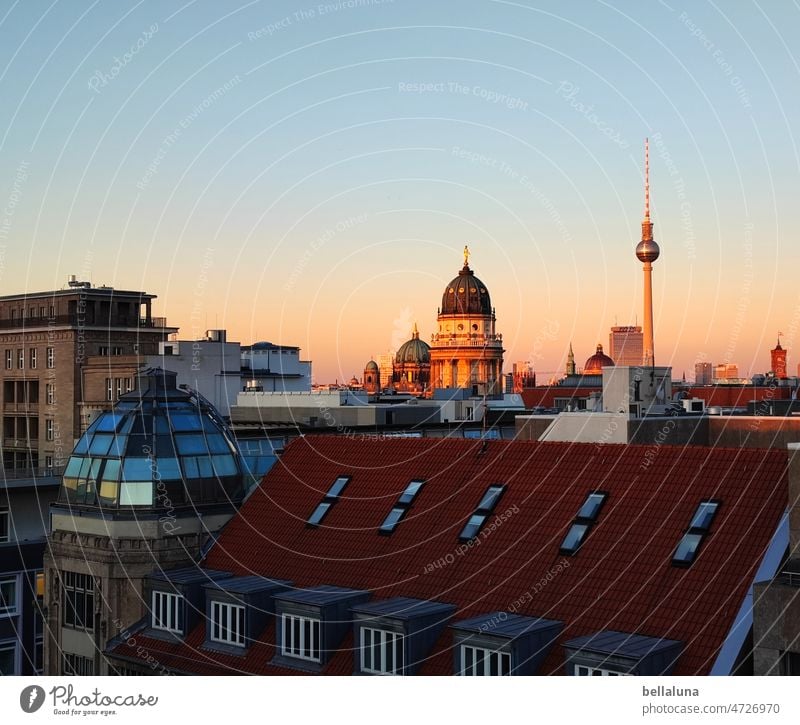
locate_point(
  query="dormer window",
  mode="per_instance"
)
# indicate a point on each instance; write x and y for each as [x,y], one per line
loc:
[300,637]
[167,612]
[381,652]
[479,661]
[227,623]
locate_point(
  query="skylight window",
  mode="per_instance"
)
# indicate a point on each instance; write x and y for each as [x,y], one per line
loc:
[484,510]
[401,507]
[586,518]
[689,545]
[326,504]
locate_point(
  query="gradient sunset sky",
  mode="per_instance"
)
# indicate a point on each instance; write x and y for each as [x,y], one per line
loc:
[308,173]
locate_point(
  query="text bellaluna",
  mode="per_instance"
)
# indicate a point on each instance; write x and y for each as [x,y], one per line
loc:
[662,691]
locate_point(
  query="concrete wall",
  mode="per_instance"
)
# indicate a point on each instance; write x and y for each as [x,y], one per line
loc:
[597,428]
[671,431]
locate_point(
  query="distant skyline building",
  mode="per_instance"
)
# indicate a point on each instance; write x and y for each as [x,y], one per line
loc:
[703,373]
[647,252]
[726,372]
[626,345]
[778,360]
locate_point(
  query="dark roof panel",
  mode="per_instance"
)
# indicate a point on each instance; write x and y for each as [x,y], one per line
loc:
[622,644]
[320,595]
[248,584]
[504,624]
[404,608]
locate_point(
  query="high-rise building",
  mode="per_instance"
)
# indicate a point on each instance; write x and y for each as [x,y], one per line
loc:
[647,252]
[626,345]
[778,359]
[67,355]
[703,373]
[726,371]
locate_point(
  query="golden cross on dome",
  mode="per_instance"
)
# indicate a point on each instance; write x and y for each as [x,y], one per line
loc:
[466,256]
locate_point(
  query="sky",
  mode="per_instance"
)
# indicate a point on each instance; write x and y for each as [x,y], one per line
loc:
[309,173]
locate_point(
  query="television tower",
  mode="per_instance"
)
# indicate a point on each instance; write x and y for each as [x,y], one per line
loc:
[647,252]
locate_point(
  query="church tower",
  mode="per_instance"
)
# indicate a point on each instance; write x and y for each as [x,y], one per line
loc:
[778,355]
[570,362]
[466,351]
[372,378]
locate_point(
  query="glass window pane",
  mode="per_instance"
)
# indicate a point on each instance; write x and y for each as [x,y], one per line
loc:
[191,444]
[392,519]
[366,648]
[319,513]
[137,469]
[702,518]
[185,421]
[337,487]
[216,443]
[111,470]
[410,493]
[591,506]
[687,548]
[574,537]
[100,444]
[108,422]
[136,493]
[118,445]
[224,465]
[190,467]
[472,527]
[82,446]
[73,466]
[489,499]
[204,469]
[168,469]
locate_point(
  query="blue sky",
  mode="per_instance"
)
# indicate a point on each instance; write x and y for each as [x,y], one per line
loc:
[308,173]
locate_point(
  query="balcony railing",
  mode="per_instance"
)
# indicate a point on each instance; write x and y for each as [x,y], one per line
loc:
[444,340]
[792,578]
[9,442]
[83,320]
[16,474]
[21,407]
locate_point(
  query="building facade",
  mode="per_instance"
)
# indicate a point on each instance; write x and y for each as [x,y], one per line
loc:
[703,373]
[626,345]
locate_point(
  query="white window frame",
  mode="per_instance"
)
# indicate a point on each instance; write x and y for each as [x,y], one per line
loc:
[77,665]
[119,387]
[32,355]
[586,671]
[11,610]
[74,584]
[297,650]
[168,605]
[5,515]
[9,359]
[485,652]
[51,358]
[388,638]
[20,358]
[109,389]
[49,429]
[227,623]
[50,393]
[13,646]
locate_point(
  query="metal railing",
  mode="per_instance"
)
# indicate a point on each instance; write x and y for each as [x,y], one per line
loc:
[83,320]
[792,578]
[13,474]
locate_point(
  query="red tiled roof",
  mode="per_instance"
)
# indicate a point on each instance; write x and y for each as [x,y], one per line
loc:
[621,579]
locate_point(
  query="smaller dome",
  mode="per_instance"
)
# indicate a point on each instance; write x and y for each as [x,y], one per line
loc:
[371,366]
[414,350]
[596,363]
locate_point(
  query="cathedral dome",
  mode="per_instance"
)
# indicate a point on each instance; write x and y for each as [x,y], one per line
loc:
[371,367]
[414,350]
[466,295]
[596,363]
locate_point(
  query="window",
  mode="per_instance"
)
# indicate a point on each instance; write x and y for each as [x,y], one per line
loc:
[50,393]
[403,504]
[116,350]
[32,357]
[77,600]
[49,429]
[479,661]
[227,623]
[583,671]
[32,312]
[109,389]
[76,665]
[119,384]
[5,525]
[48,462]
[51,356]
[38,656]
[331,498]
[9,359]
[8,596]
[102,350]
[586,518]
[8,658]
[381,652]
[300,637]
[20,358]
[689,545]
[42,311]
[168,611]
[485,508]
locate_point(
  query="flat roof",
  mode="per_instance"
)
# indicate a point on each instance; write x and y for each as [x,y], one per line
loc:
[623,644]
[404,608]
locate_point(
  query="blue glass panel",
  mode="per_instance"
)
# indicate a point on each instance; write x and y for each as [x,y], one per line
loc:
[184,421]
[161,426]
[687,548]
[168,469]
[472,527]
[574,538]
[85,463]
[190,467]
[164,446]
[209,425]
[319,513]
[73,467]
[111,471]
[410,493]
[94,469]
[100,444]
[591,506]
[490,498]
[217,443]
[338,486]
[392,520]
[137,469]
[82,446]
[190,444]
[136,493]
[224,465]
[108,422]
[118,446]
[704,514]
[204,467]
